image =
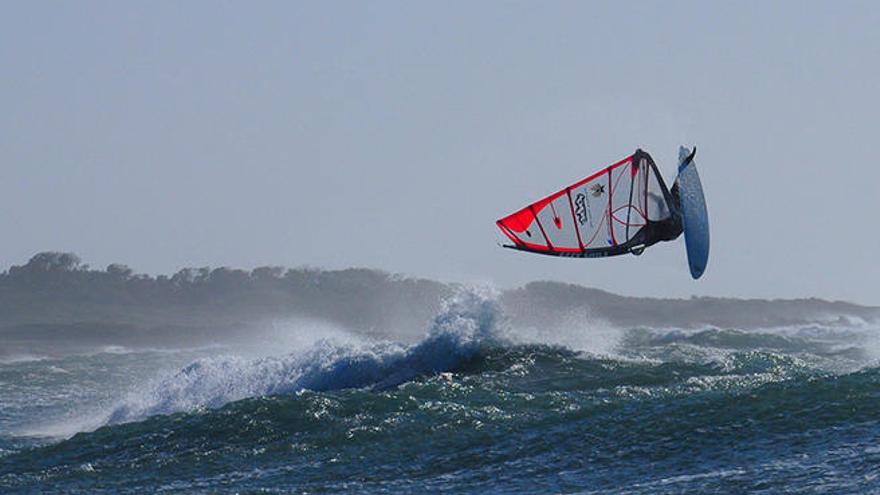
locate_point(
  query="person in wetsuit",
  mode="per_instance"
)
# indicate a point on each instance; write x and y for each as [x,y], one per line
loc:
[671,228]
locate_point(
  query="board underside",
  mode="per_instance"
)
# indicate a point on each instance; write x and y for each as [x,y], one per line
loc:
[695,217]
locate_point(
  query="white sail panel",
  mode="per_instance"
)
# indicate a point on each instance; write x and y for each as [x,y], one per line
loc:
[557,220]
[590,200]
[628,203]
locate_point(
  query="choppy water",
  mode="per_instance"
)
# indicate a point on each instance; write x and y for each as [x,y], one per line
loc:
[474,407]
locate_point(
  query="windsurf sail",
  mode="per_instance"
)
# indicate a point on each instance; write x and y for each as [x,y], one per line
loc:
[620,209]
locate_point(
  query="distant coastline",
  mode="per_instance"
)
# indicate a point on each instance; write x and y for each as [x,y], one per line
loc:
[56,298]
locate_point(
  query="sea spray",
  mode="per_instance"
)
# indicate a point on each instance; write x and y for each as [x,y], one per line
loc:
[577,329]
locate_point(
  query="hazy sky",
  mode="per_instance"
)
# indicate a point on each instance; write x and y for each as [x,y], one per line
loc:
[393,135]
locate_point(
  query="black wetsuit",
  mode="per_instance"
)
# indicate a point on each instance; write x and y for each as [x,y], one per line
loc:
[670,228]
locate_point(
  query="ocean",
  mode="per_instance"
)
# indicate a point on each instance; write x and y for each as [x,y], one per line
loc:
[475,406]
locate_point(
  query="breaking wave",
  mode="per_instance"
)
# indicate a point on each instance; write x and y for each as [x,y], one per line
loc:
[467,323]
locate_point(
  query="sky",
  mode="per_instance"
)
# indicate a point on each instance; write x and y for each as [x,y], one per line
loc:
[392,135]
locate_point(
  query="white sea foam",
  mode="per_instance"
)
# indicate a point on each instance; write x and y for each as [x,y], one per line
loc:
[22,358]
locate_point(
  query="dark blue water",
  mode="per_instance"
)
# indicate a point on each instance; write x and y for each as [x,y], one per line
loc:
[474,407]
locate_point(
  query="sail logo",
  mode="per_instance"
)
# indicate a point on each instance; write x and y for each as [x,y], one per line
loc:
[581,208]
